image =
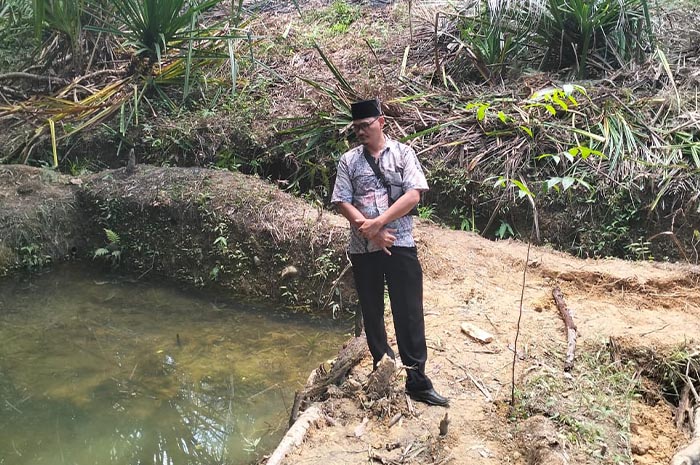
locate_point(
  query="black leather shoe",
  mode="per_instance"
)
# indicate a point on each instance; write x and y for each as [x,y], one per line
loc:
[429,396]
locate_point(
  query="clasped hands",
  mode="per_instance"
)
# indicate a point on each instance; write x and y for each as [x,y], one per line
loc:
[374,231]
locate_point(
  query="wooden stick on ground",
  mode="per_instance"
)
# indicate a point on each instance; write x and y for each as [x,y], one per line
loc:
[570,328]
[295,435]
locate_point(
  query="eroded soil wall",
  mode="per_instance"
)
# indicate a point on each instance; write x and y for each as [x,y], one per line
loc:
[202,227]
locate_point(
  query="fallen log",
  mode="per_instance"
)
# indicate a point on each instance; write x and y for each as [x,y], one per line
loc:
[570,328]
[295,435]
[690,454]
[351,353]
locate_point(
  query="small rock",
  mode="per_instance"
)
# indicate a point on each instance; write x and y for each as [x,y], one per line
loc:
[640,446]
[360,429]
[289,272]
[476,333]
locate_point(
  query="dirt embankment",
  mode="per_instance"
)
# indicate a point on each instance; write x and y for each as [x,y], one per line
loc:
[203,227]
[40,221]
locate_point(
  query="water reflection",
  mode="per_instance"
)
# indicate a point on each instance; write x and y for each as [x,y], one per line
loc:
[110,372]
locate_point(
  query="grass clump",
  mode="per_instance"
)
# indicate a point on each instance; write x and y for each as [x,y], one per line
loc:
[680,372]
[677,373]
[591,407]
[340,15]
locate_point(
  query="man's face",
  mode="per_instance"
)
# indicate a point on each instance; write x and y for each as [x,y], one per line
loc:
[368,130]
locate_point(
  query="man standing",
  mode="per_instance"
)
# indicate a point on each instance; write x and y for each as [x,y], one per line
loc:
[378,184]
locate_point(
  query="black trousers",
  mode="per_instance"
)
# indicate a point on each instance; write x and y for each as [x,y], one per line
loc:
[404,279]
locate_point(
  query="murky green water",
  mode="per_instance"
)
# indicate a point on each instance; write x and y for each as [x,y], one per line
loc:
[96,370]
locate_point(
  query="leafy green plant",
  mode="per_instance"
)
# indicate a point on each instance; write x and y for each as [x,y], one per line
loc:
[151,26]
[480,109]
[65,16]
[112,251]
[79,167]
[215,272]
[585,35]
[465,218]
[426,212]
[552,97]
[221,243]
[504,231]
[341,15]
[564,183]
[32,258]
[493,40]
[640,250]
[517,185]
[326,265]
[579,35]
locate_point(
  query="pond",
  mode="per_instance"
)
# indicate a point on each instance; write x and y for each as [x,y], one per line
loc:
[103,370]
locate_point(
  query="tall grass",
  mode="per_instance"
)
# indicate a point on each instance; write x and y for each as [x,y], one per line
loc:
[151,26]
[602,34]
[583,37]
[166,32]
[64,16]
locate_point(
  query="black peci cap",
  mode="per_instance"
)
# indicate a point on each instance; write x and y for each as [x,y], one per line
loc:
[366,109]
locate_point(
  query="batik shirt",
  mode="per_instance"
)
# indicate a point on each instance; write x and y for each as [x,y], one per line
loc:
[357,184]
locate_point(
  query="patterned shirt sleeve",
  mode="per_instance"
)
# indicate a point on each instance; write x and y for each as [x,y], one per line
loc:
[413,176]
[342,191]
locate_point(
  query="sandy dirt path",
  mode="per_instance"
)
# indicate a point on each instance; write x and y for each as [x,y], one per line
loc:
[471,279]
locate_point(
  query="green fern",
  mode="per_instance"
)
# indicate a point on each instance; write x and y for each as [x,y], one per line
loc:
[101,252]
[112,237]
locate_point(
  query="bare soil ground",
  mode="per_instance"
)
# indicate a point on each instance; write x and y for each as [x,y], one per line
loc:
[470,279]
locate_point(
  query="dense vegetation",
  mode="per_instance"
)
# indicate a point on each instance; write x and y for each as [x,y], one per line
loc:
[580,115]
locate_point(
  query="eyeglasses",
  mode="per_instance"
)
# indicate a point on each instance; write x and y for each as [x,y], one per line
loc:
[356,127]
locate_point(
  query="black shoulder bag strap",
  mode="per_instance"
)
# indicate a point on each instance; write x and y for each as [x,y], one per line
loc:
[377,172]
[373,164]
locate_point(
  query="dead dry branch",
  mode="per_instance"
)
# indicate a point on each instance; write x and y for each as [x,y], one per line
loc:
[570,328]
